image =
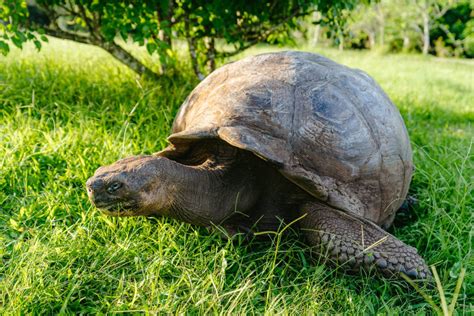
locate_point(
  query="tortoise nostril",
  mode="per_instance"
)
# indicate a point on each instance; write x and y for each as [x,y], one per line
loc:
[93,185]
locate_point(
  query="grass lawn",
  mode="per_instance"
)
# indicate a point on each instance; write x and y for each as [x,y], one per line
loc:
[71,108]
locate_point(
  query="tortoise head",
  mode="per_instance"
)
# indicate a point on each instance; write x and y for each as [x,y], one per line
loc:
[131,186]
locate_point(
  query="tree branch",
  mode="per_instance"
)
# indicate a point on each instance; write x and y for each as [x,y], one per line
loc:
[128,59]
[111,47]
[68,36]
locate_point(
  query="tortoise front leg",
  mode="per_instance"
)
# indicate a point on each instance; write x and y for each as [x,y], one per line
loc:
[356,243]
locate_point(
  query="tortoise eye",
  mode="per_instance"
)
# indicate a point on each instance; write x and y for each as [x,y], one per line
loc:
[114,187]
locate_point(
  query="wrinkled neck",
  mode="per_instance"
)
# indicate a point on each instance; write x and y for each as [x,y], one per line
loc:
[195,194]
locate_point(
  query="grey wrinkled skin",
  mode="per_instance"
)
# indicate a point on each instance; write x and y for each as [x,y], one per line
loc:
[278,137]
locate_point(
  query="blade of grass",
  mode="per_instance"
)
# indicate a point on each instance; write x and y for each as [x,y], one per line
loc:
[442,297]
[427,298]
[456,291]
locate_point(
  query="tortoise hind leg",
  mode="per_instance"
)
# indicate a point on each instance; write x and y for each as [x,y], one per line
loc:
[356,243]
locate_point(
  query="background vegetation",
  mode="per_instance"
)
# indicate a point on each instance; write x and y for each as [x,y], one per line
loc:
[440,27]
[214,30]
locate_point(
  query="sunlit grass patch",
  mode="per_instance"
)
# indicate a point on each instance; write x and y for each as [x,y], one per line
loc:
[71,108]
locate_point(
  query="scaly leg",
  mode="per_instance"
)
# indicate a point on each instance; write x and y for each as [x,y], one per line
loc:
[354,243]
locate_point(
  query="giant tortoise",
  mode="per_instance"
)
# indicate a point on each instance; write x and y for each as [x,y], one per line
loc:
[279,138]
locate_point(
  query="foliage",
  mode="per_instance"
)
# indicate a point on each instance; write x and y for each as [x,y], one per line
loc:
[156,23]
[69,109]
[13,15]
[454,30]
[441,27]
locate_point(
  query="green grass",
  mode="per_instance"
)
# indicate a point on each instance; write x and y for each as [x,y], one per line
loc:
[71,108]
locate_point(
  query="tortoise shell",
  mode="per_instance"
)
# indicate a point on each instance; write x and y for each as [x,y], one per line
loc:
[328,128]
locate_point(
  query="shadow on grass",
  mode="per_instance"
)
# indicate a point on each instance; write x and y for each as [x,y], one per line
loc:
[61,91]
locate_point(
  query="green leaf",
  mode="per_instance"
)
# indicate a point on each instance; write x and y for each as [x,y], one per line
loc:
[17,42]
[151,47]
[37,44]
[4,48]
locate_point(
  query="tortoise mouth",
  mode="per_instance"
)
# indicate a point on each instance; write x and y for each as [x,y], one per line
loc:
[117,208]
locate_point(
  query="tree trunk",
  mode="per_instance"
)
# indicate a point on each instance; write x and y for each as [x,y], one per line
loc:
[341,42]
[426,33]
[371,39]
[164,37]
[193,55]
[316,30]
[381,21]
[192,50]
[406,42]
[211,54]
[315,38]
[382,35]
